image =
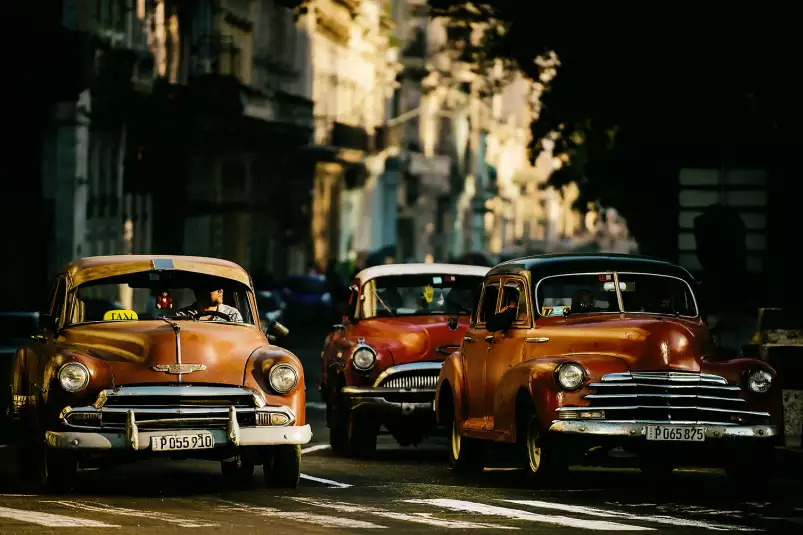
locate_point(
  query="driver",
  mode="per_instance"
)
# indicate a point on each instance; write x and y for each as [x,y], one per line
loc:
[584,301]
[210,300]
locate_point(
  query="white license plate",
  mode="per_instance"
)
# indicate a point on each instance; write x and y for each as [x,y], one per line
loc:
[675,433]
[198,440]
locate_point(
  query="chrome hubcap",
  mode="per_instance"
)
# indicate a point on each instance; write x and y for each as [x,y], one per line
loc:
[533,447]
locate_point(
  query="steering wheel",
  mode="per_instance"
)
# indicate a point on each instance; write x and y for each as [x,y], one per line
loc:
[201,313]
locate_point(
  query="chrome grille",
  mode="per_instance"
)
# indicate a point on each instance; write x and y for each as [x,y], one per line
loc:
[669,397]
[411,381]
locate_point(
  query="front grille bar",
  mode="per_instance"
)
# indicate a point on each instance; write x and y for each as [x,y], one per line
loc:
[660,407]
[672,396]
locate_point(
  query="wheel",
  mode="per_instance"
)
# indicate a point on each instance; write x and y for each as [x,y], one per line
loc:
[466,455]
[352,435]
[44,469]
[237,472]
[282,468]
[542,458]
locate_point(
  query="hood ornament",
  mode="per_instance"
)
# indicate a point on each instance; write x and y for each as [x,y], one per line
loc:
[178,369]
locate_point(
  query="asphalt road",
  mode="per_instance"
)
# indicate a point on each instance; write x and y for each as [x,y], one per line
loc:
[407,490]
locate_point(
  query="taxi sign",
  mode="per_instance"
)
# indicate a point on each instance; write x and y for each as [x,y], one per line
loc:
[120,315]
[429,293]
[555,310]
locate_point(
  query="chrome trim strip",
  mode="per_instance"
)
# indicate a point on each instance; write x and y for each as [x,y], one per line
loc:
[378,391]
[659,407]
[666,376]
[648,385]
[195,413]
[447,349]
[177,391]
[409,367]
[638,429]
[622,396]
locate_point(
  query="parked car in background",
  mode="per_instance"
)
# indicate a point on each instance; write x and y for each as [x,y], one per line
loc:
[572,354]
[308,298]
[192,376]
[380,366]
[16,329]
[271,307]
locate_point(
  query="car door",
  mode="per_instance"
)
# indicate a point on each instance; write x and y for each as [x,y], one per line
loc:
[474,351]
[506,348]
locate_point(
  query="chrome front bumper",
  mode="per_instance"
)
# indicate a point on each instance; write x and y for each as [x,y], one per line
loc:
[639,429]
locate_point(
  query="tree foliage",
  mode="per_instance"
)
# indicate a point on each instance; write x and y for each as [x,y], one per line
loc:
[639,94]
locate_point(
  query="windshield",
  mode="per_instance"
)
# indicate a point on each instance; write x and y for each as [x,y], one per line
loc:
[596,293]
[418,295]
[156,294]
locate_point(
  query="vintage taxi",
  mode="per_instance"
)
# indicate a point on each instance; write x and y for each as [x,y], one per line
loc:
[381,365]
[181,371]
[571,356]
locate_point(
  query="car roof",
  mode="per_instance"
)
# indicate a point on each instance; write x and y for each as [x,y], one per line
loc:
[83,270]
[386,270]
[555,264]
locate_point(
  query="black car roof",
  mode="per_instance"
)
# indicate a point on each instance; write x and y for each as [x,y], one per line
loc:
[555,264]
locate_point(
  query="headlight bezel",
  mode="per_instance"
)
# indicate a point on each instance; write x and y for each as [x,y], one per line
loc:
[74,365]
[367,348]
[748,376]
[276,368]
[570,365]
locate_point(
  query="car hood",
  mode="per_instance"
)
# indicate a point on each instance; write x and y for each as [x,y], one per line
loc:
[645,342]
[132,349]
[412,339]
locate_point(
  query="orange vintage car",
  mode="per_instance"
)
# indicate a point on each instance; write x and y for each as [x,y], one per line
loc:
[568,356]
[173,365]
[380,366]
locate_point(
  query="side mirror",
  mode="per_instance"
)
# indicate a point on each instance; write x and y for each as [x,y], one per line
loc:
[452,323]
[277,330]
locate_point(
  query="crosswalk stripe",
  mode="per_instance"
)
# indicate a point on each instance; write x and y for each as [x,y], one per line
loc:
[95,507]
[418,518]
[50,520]
[518,514]
[327,481]
[658,519]
[317,447]
[299,516]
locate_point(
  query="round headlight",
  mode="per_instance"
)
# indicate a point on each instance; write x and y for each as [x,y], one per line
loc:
[759,381]
[283,378]
[364,358]
[570,376]
[74,377]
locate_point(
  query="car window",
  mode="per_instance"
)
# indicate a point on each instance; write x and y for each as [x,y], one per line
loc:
[59,299]
[417,295]
[156,294]
[579,294]
[514,293]
[656,294]
[489,300]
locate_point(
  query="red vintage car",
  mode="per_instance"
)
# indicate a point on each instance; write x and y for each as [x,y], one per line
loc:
[380,366]
[570,356]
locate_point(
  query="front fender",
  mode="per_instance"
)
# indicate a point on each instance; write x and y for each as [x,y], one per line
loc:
[536,378]
[254,378]
[450,378]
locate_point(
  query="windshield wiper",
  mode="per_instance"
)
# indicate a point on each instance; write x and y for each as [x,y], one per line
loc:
[383,303]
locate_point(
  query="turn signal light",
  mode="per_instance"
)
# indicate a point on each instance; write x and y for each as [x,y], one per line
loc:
[583,415]
[273,418]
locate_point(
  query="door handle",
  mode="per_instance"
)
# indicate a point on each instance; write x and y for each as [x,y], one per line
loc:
[468,339]
[537,340]
[38,337]
[489,339]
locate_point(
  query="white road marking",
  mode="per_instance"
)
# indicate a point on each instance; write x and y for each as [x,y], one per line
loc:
[298,516]
[317,405]
[318,447]
[592,511]
[518,514]
[51,520]
[418,518]
[95,507]
[326,481]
